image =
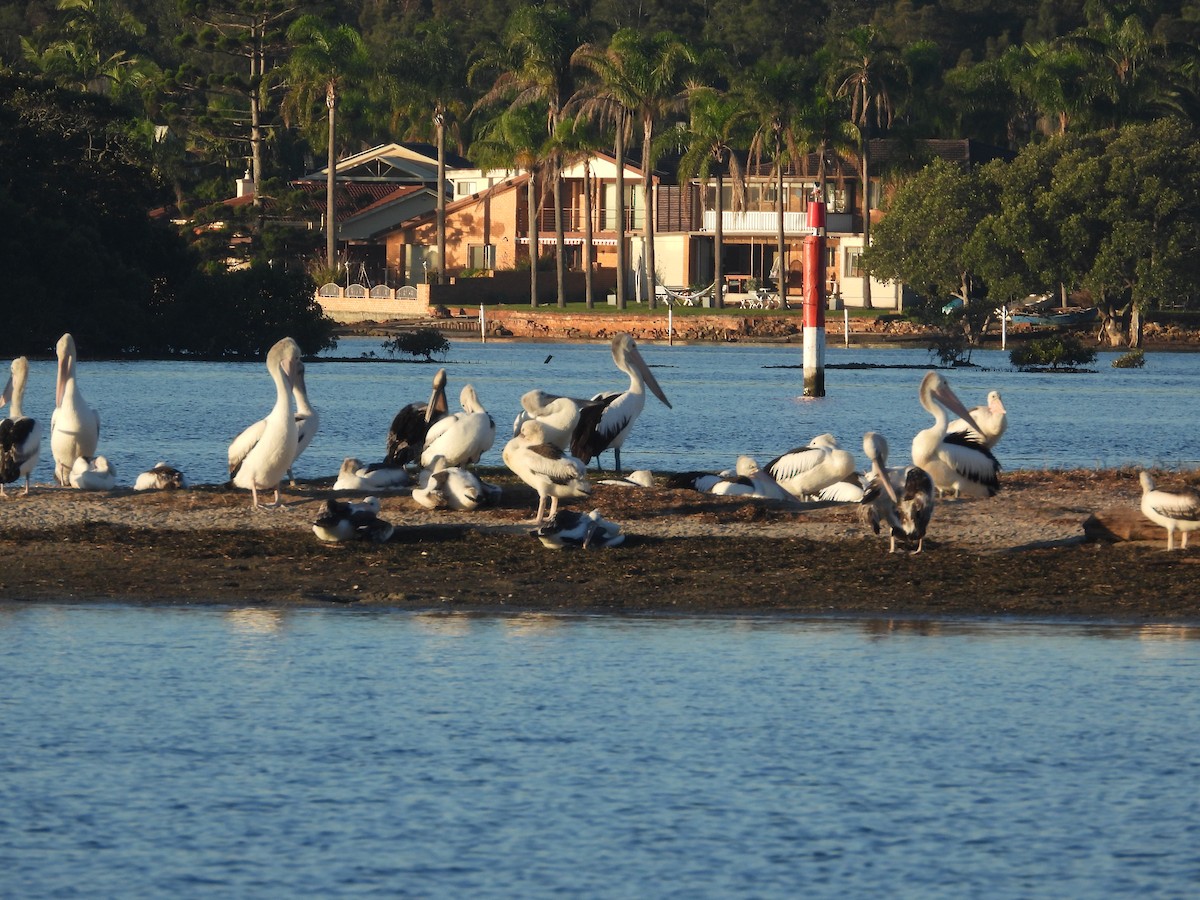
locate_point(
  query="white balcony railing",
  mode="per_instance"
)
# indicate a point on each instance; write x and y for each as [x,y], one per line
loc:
[757,222]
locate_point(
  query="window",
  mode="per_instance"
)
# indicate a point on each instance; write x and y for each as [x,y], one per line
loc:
[854,267]
[465,188]
[481,256]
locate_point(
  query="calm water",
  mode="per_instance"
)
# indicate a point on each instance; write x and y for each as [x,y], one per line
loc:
[726,400]
[260,753]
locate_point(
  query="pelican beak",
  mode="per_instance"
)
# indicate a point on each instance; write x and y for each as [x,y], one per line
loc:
[64,373]
[997,406]
[884,481]
[298,381]
[950,400]
[293,370]
[635,357]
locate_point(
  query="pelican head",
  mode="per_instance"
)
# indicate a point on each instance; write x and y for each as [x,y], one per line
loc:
[746,466]
[469,400]
[627,356]
[935,387]
[875,447]
[285,357]
[995,404]
[532,432]
[65,348]
[1147,482]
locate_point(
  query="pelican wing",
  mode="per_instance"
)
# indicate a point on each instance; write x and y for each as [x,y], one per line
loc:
[552,463]
[1181,504]
[972,460]
[796,461]
[243,444]
[592,434]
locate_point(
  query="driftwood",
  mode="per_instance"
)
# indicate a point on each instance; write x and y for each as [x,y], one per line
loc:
[1121,523]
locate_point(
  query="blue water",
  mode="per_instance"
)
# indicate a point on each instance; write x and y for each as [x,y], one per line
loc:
[726,400]
[264,753]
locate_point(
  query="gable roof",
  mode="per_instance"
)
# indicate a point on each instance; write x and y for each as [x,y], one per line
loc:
[391,163]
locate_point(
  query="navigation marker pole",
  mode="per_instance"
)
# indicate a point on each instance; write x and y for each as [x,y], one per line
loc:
[482,326]
[814,302]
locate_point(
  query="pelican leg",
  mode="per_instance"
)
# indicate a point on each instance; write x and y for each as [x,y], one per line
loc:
[920,546]
[617,459]
[553,508]
[1183,542]
[1170,539]
[893,547]
[537,520]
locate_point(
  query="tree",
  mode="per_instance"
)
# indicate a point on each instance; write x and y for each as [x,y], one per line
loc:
[644,76]
[324,60]
[717,125]
[867,74]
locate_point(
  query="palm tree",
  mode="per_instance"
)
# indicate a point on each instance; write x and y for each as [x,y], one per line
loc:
[576,142]
[640,78]
[773,92]
[867,73]
[538,43]
[323,61]
[425,77]
[516,138]
[717,123]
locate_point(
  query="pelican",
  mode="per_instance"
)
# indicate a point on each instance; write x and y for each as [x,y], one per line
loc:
[991,419]
[406,437]
[354,476]
[260,461]
[622,409]
[20,435]
[342,521]
[572,529]
[559,415]
[805,471]
[954,462]
[462,437]
[1176,509]
[74,426]
[161,477]
[550,471]
[93,473]
[902,499]
[848,490]
[451,487]
[640,478]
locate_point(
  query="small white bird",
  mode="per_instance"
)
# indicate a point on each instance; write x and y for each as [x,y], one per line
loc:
[93,473]
[355,476]
[161,477]
[1175,509]
[572,529]
[343,521]
[20,435]
[550,471]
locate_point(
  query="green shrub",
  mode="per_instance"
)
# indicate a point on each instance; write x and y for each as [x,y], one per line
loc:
[423,342]
[1062,350]
[1134,359]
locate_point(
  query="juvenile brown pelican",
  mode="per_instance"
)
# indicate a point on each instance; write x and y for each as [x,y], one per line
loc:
[74,426]
[20,435]
[553,473]
[259,460]
[991,419]
[900,499]
[1175,509]
[622,409]
[956,463]
[406,437]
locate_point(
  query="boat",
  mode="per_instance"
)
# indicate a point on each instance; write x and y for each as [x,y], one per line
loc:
[1068,316]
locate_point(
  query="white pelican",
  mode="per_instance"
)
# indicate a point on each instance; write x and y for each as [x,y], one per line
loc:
[991,419]
[901,499]
[848,490]
[406,437]
[451,487]
[74,426]
[162,477]
[572,529]
[559,415]
[354,476]
[93,473]
[640,478]
[1175,509]
[261,461]
[622,409]
[462,437]
[550,471]
[805,471]
[954,462]
[20,435]
[343,521]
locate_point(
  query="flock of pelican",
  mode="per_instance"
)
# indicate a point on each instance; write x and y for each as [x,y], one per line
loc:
[431,451]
